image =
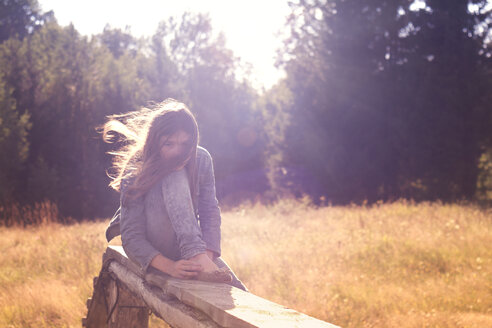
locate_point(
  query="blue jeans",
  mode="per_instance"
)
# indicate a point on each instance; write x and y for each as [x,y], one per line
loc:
[176,232]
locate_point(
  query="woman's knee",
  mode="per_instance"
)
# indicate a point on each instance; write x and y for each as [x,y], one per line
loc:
[177,183]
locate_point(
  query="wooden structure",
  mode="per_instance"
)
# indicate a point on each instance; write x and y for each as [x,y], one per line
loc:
[124,296]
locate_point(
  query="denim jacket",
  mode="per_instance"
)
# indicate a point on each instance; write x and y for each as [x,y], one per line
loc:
[206,211]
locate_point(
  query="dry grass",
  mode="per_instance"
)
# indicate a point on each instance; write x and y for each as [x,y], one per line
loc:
[403,265]
[46,273]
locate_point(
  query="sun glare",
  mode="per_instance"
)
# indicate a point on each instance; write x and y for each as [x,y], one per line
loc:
[249,26]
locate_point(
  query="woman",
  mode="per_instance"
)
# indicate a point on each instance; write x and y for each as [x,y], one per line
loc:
[166,183]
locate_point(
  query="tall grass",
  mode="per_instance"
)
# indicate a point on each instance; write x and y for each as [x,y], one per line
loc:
[387,265]
[46,273]
[15,214]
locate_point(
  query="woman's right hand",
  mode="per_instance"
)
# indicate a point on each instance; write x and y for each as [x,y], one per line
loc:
[184,269]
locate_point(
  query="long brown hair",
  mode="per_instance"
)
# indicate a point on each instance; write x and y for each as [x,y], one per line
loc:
[141,133]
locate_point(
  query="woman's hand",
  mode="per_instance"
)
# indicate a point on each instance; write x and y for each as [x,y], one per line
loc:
[184,269]
[205,262]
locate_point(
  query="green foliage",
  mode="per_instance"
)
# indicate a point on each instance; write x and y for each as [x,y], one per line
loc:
[19,18]
[14,145]
[277,119]
[391,106]
[394,105]
[118,42]
[66,85]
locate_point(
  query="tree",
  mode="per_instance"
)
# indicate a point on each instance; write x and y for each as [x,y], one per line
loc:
[368,116]
[57,87]
[19,18]
[230,125]
[67,85]
[14,145]
[118,42]
[445,66]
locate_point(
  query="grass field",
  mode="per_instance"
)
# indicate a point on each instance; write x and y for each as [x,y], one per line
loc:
[389,265]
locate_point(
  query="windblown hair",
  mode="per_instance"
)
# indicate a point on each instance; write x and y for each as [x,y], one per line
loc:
[143,133]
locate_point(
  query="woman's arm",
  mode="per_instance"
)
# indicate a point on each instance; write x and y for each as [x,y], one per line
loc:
[208,207]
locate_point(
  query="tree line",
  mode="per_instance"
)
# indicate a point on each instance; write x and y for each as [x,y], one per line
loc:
[397,91]
[381,100]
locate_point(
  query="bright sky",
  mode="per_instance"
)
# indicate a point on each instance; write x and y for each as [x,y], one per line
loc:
[250,26]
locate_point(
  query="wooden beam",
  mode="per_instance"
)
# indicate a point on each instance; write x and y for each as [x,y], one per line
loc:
[227,306]
[116,253]
[233,307]
[175,313]
[96,308]
[128,309]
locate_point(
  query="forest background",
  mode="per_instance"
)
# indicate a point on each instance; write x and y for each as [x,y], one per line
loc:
[380,102]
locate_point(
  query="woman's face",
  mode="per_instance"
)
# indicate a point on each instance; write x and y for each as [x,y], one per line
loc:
[175,145]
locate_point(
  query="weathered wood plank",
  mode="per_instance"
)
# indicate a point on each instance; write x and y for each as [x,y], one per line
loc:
[96,309]
[117,253]
[168,308]
[129,310]
[232,307]
[226,305]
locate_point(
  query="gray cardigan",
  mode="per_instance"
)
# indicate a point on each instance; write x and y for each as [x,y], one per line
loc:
[131,219]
